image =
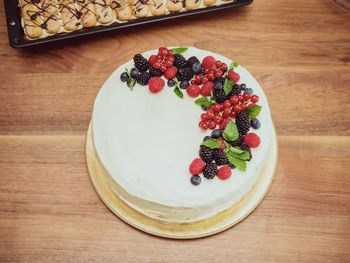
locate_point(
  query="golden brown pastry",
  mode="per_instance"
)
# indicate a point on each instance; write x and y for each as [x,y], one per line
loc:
[139,8]
[50,15]
[31,18]
[192,4]
[157,7]
[104,12]
[88,13]
[175,5]
[70,15]
[122,9]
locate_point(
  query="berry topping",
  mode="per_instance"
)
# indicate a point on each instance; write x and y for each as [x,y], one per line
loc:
[184,74]
[252,140]
[219,95]
[219,157]
[242,123]
[206,154]
[224,172]
[184,84]
[193,91]
[196,68]
[170,72]
[217,133]
[141,63]
[156,84]
[197,166]
[155,72]
[152,59]
[210,170]
[196,180]
[208,62]
[124,77]
[143,78]
[207,89]
[179,61]
[192,60]
[134,73]
[255,123]
[171,83]
[254,98]
[234,76]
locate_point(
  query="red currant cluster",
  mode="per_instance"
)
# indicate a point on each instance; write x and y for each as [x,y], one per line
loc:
[212,69]
[163,60]
[221,113]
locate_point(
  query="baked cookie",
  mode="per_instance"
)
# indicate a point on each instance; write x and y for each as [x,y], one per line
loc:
[157,7]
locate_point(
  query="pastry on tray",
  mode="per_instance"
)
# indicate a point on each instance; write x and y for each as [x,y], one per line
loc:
[43,18]
[182,134]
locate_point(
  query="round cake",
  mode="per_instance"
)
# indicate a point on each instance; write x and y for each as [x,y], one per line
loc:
[182,133]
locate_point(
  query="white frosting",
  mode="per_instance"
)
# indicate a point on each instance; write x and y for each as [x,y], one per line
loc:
[146,142]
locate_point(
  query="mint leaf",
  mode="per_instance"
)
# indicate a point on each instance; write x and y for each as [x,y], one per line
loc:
[240,164]
[211,143]
[253,112]
[179,50]
[233,66]
[244,155]
[204,102]
[178,92]
[228,85]
[132,84]
[231,132]
[236,150]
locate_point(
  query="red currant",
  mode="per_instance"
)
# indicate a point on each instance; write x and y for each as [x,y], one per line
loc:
[240,97]
[217,119]
[170,53]
[171,59]
[159,58]
[254,98]
[246,96]
[168,63]
[218,73]
[211,76]
[216,108]
[227,104]
[223,67]
[203,125]
[210,114]
[212,125]
[223,123]
[162,68]
[234,100]
[203,117]
[237,108]
[218,63]
[226,113]
[204,80]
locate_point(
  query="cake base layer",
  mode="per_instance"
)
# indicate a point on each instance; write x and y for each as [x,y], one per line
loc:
[206,227]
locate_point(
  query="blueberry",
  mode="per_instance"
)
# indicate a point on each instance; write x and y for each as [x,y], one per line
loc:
[243,86]
[171,83]
[218,86]
[217,133]
[197,68]
[204,107]
[196,179]
[184,84]
[206,138]
[249,91]
[134,73]
[124,77]
[231,165]
[255,123]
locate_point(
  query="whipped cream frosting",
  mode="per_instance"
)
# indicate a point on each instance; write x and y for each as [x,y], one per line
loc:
[146,142]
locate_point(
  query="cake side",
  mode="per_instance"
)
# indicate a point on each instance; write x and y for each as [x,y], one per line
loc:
[161,138]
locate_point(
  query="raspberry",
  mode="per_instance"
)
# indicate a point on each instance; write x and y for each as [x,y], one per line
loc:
[170,73]
[252,140]
[234,76]
[224,172]
[207,89]
[208,62]
[193,91]
[152,59]
[156,84]
[210,170]
[197,166]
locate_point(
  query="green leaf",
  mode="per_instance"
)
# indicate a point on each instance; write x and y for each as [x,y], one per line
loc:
[228,85]
[236,150]
[132,84]
[233,66]
[240,164]
[203,101]
[253,112]
[178,92]
[231,132]
[211,143]
[244,155]
[179,50]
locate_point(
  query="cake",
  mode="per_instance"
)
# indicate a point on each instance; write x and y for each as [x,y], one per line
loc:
[43,18]
[183,134]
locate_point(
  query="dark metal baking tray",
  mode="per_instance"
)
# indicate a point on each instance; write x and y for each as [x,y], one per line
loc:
[17,39]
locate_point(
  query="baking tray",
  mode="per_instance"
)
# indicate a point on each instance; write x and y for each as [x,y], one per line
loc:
[17,39]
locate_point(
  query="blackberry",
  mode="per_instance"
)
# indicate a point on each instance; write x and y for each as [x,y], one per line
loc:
[219,80]
[155,72]
[143,78]
[206,154]
[219,95]
[141,63]
[237,142]
[179,61]
[184,74]
[192,60]
[246,148]
[210,170]
[242,123]
[219,157]
[236,90]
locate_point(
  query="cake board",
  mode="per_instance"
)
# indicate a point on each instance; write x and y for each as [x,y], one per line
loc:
[203,228]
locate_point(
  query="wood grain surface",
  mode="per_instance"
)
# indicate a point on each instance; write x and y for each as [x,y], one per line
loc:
[300,53]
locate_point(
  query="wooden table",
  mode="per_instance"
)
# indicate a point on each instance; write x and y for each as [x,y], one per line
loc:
[300,53]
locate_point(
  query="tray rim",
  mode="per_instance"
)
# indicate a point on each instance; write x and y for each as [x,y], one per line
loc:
[16,34]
